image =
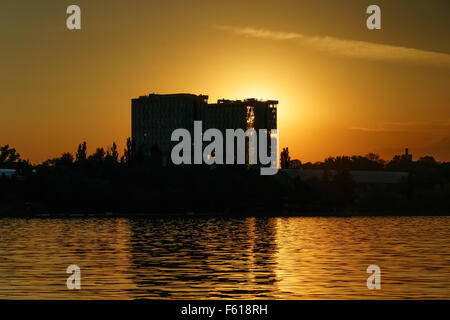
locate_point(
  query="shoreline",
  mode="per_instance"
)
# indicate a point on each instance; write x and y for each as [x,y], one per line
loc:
[217,215]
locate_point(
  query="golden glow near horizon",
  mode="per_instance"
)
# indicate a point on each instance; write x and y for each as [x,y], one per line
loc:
[342,89]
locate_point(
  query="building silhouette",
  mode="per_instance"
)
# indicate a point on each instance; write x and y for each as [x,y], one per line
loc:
[407,156]
[154,117]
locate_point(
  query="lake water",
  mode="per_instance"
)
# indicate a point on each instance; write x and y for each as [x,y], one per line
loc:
[230,258]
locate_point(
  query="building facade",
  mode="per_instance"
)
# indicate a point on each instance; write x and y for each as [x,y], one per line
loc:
[154,117]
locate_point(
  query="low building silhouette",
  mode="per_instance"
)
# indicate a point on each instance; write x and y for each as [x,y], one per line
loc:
[407,156]
[8,173]
[358,176]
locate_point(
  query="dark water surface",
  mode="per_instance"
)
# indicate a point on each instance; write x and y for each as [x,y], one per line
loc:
[214,258]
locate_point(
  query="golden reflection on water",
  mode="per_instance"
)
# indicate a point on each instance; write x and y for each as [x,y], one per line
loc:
[35,253]
[328,257]
[214,258]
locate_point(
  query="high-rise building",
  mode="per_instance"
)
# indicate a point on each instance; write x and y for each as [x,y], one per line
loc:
[155,117]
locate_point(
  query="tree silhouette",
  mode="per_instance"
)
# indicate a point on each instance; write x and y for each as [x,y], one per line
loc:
[98,155]
[81,152]
[295,164]
[112,153]
[128,152]
[8,156]
[285,159]
[66,159]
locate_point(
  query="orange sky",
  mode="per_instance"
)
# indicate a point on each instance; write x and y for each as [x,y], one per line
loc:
[342,89]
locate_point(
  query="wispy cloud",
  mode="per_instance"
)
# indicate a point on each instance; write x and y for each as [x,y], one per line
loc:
[420,124]
[409,126]
[365,129]
[260,33]
[348,48]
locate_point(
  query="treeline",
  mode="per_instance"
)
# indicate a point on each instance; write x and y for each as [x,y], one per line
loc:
[371,162]
[132,183]
[426,191]
[128,182]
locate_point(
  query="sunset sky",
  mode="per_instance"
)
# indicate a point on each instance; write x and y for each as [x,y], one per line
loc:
[342,89]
